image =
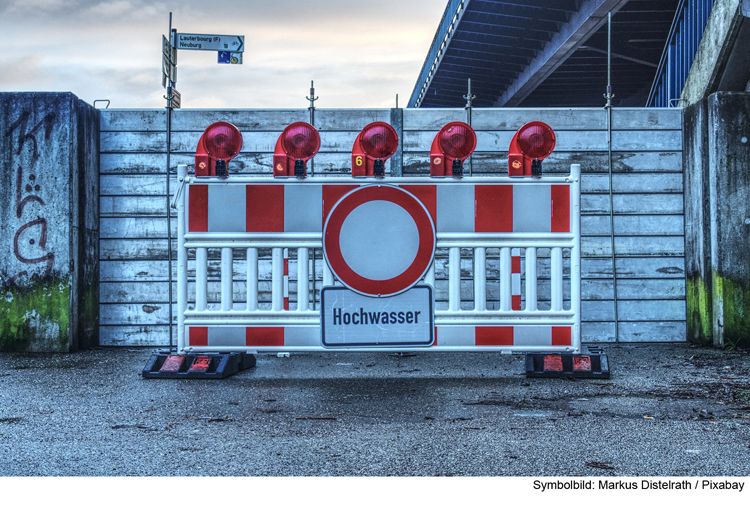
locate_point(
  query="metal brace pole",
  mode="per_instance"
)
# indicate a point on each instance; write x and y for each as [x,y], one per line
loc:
[311,108]
[469,99]
[608,107]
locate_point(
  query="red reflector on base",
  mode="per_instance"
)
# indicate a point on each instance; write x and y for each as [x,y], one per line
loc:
[553,362]
[200,364]
[582,363]
[172,364]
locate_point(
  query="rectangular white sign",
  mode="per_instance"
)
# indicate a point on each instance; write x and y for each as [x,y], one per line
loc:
[200,42]
[349,319]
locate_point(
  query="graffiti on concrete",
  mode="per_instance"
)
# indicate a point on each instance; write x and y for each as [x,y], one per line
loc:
[27,141]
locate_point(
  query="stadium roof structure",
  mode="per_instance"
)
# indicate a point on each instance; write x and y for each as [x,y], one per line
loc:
[544,53]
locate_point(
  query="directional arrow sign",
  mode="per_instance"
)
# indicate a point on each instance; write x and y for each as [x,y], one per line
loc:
[199,42]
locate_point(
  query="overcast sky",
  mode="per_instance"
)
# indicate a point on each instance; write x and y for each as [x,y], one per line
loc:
[359,53]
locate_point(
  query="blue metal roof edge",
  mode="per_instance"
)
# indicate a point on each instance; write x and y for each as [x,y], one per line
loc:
[430,63]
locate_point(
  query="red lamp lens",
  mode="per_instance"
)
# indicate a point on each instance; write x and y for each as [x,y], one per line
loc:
[457,140]
[223,141]
[300,141]
[536,140]
[379,140]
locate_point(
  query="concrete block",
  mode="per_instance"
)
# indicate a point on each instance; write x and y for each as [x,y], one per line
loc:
[729,202]
[48,222]
[697,225]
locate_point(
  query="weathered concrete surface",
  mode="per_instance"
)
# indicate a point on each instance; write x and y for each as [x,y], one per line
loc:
[669,409]
[48,222]
[697,224]
[724,42]
[729,185]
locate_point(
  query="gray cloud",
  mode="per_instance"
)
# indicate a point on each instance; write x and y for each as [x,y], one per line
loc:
[359,53]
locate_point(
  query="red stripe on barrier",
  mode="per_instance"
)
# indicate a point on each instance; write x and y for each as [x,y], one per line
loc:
[493,335]
[515,301]
[264,208]
[561,209]
[515,265]
[561,335]
[264,337]
[198,335]
[332,194]
[493,208]
[198,208]
[425,194]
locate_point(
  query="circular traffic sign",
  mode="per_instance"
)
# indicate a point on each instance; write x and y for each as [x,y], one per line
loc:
[379,240]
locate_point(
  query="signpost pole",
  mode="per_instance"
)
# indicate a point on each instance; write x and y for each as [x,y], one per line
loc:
[171,85]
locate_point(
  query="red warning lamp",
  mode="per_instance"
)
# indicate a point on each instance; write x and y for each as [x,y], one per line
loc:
[532,143]
[452,145]
[298,143]
[219,143]
[375,143]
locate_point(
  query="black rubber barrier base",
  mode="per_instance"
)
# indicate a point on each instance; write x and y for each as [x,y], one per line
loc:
[590,364]
[197,366]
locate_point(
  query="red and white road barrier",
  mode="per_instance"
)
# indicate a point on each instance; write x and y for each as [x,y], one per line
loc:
[504,219]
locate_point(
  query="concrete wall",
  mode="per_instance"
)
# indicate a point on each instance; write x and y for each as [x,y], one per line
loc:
[49,226]
[648,204]
[717,208]
[729,195]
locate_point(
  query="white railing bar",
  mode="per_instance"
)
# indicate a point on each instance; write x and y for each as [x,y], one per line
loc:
[531,280]
[460,317]
[478,348]
[201,278]
[454,278]
[423,181]
[327,275]
[556,279]
[252,279]
[505,279]
[181,261]
[227,275]
[303,275]
[277,279]
[480,281]
[429,277]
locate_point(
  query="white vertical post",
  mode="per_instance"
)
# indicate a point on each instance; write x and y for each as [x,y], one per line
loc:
[181,263]
[277,279]
[480,279]
[505,279]
[201,278]
[429,277]
[575,252]
[303,278]
[556,279]
[252,278]
[454,279]
[531,279]
[286,278]
[327,275]
[227,273]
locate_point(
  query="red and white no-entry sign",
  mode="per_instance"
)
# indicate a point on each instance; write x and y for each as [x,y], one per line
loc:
[379,240]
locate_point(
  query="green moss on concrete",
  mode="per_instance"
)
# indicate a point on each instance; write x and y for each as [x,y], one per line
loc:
[699,312]
[735,300]
[89,317]
[36,317]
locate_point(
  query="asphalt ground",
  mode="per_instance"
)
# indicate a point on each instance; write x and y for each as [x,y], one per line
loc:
[668,410]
